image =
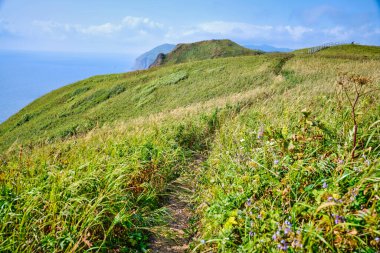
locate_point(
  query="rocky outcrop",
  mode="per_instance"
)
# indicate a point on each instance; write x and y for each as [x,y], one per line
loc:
[146,59]
[159,60]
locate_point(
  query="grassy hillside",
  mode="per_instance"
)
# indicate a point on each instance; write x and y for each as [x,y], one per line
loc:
[346,51]
[205,50]
[79,107]
[275,134]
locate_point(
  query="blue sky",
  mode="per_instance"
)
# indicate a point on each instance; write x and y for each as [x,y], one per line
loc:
[133,27]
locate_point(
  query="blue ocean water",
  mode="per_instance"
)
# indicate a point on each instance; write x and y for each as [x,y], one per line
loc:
[25,76]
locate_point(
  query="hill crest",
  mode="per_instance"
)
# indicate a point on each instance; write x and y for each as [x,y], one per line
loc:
[203,50]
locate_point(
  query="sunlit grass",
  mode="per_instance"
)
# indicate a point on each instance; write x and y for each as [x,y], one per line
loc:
[92,160]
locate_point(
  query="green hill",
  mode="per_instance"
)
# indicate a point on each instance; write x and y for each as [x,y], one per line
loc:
[270,152]
[81,106]
[203,50]
[348,50]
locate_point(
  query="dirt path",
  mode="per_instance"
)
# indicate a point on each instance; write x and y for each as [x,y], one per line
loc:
[178,236]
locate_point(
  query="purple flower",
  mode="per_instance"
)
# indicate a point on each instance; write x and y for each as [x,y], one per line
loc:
[259,216]
[283,245]
[297,244]
[287,223]
[330,198]
[340,161]
[249,202]
[286,231]
[274,237]
[250,233]
[276,162]
[337,219]
[325,185]
[203,241]
[377,239]
[367,162]
[260,134]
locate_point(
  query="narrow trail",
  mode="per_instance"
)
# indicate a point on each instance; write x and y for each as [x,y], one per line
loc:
[178,235]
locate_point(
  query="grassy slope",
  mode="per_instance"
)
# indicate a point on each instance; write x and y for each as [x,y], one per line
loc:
[346,51]
[271,174]
[206,50]
[79,107]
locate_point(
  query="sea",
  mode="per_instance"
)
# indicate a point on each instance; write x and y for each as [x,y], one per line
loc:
[25,76]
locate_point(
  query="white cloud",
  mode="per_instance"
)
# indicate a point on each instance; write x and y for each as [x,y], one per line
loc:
[127,23]
[340,33]
[295,32]
[136,34]
[241,31]
[134,22]
[106,28]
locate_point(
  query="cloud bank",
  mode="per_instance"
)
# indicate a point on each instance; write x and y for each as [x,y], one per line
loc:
[140,33]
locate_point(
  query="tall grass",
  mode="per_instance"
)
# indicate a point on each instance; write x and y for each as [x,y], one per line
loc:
[278,176]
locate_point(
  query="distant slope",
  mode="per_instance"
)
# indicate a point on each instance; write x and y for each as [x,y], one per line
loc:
[346,51]
[351,50]
[146,59]
[203,50]
[268,48]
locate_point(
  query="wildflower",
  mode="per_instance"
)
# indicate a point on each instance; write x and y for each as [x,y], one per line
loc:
[260,134]
[276,162]
[338,219]
[274,237]
[325,185]
[367,162]
[249,202]
[377,239]
[250,233]
[354,193]
[286,231]
[287,223]
[340,161]
[330,198]
[283,245]
[297,244]
[203,241]
[259,216]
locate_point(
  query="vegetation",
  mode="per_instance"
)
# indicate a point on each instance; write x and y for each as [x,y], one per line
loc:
[206,50]
[275,134]
[77,108]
